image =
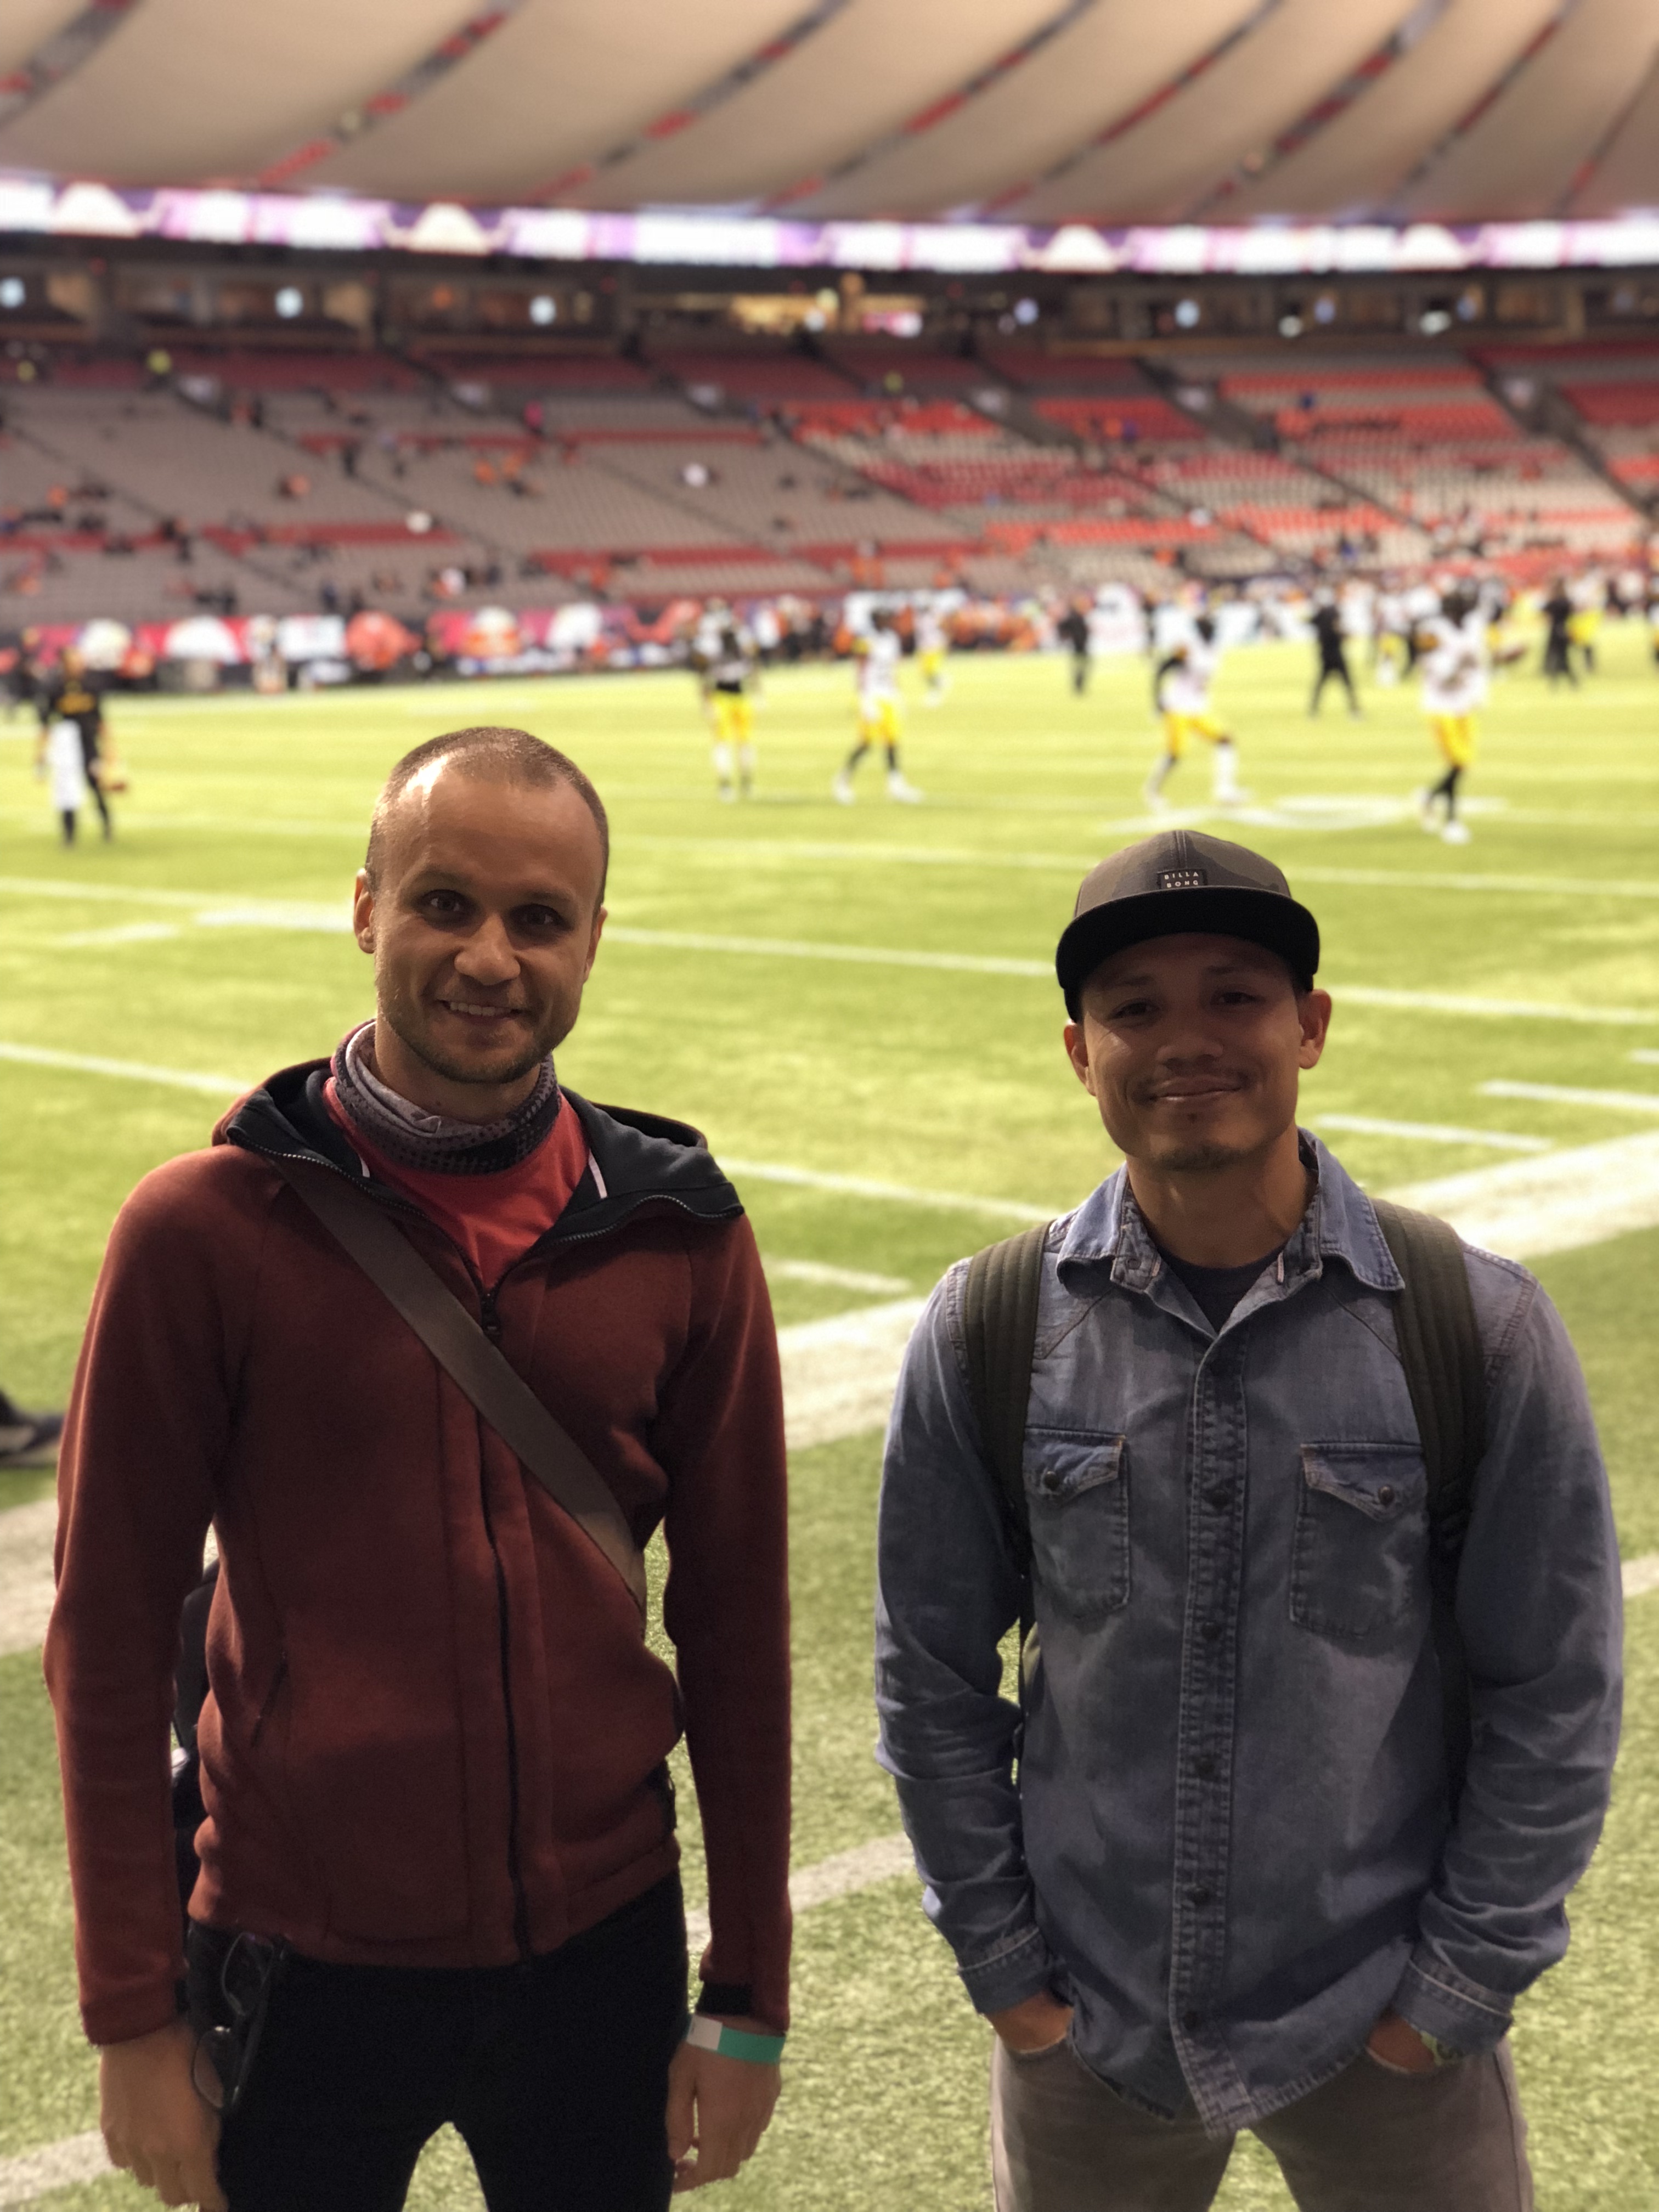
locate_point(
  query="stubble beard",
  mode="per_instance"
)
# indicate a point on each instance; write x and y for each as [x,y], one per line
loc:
[1206,1156]
[490,1074]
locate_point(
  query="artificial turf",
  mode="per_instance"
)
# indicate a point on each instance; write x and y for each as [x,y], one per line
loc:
[937,1079]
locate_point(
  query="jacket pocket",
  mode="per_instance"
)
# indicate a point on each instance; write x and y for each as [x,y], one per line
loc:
[1076,1493]
[1360,1558]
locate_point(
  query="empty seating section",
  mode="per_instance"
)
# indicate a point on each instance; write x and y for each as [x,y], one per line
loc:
[279,480]
[891,365]
[1442,453]
[764,375]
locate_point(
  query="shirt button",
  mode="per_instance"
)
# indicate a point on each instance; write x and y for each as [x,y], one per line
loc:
[1210,1630]
[1221,1496]
[1199,1895]
[1385,1494]
[1204,1767]
[1190,2021]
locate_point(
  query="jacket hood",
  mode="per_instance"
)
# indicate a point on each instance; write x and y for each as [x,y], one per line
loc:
[635,1158]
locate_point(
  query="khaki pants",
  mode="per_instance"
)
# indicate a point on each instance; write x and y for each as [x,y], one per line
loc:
[1372,2140]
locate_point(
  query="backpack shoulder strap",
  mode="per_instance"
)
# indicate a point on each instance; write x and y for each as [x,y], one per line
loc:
[999,1322]
[1445,1366]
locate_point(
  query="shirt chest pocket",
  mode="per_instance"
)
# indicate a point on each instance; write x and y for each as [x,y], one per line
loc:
[1077,1494]
[1359,1563]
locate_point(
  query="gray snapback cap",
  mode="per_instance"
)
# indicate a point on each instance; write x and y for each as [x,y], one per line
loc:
[1178,882]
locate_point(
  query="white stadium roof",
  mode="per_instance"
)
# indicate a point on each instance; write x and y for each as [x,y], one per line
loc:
[1025,112]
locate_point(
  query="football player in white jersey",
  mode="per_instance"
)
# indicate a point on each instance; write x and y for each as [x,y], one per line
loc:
[729,675]
[1451,661]
[879,651]
[932,642]
[1182,692]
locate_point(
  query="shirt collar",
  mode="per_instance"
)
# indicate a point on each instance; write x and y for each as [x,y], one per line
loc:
[1108,1229]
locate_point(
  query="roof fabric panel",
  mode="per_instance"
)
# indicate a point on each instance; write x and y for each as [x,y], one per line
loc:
[1108,61]
[865,73]
[1627,173]
[1160,170]
[191,91]
[1521,157]
[1353,166]
[26,25]
[553,89]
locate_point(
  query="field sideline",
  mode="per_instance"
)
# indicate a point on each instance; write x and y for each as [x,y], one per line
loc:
[856,1005]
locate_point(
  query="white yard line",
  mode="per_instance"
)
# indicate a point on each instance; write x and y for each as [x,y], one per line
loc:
[842,1875]
[1429,879]
[1430,1132]
[832,1278]
[221,910]
[839,1375]
[120,932]
[131,1071]
[1520,1010]
[56,2165]
[787,948]
[900,1193]
[1556,1203]
[1566,1094]
[26,1537]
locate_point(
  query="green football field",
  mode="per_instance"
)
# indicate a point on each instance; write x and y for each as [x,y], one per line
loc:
[206,941]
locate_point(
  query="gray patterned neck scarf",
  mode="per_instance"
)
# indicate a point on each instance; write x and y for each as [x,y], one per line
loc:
[433,1143]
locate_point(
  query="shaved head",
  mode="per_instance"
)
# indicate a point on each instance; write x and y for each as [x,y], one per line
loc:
[483,755]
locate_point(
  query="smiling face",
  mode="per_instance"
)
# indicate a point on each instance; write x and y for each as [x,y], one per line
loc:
[1191,1047]
[483,919]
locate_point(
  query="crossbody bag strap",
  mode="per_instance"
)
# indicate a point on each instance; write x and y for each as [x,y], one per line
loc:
[460,1348]
[1445,1366]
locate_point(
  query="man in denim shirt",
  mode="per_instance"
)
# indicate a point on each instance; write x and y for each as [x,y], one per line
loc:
[1229,1888]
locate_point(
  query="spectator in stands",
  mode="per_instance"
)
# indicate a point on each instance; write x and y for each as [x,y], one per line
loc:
[1327,624]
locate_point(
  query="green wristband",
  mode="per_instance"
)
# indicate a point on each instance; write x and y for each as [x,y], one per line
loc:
[707,2034]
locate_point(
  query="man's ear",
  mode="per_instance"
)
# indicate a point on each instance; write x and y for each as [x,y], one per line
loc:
[1077,1051]
[362,912]
[1314,1010]
[600,915]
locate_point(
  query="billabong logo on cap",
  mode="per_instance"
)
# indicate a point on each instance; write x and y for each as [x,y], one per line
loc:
[1183,879]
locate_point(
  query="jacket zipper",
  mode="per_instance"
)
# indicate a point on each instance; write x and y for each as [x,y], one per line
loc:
[270,1698]
[490,1323]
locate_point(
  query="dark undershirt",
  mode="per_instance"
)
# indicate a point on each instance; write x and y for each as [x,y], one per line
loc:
[1217,1290]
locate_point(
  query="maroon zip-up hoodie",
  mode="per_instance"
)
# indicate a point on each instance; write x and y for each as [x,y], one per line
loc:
[433,1736]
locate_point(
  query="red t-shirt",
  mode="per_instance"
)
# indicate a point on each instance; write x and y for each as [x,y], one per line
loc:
[494,1219]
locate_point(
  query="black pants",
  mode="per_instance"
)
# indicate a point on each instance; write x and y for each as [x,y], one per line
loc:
[554,2073]
[1338,669]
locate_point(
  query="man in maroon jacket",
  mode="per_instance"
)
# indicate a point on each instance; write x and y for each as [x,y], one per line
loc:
[438,1869]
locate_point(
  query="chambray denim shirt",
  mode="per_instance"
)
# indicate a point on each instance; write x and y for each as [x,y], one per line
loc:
[1229,1843]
